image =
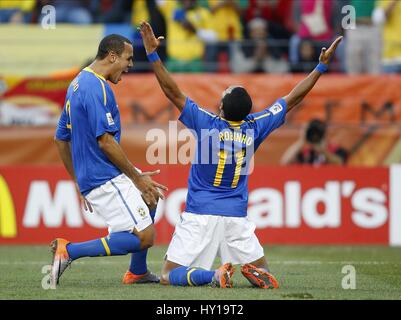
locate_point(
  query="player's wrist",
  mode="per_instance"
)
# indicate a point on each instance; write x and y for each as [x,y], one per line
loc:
[153,56]
[322,67]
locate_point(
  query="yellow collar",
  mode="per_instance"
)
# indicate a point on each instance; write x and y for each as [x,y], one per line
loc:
[233,123]
[96,74]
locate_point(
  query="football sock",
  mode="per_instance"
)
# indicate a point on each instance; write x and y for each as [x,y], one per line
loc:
[117,243]
[138,259]
[184,276]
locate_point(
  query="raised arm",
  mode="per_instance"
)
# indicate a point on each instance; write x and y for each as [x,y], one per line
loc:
[166,82]
[302,89]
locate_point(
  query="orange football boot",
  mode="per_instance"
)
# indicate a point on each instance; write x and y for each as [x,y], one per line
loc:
[61,259]
[222,276]
[148,277]
[259,277]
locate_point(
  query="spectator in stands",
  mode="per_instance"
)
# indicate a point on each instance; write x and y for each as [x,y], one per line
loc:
[388,14]
[254,56]
[227,24]
[16,11]
[188,26]
[313,148]
[280,23]
[364,43]
[70,11]
[227,18]
[111,11]
[276,12]
[313,21]
[307,57]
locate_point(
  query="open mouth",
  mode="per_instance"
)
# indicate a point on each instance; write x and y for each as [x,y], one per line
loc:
[121,74]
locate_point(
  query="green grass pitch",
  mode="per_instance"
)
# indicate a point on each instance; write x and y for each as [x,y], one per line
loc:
[304,272]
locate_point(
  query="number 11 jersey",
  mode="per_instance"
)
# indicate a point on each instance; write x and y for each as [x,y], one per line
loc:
[218,179]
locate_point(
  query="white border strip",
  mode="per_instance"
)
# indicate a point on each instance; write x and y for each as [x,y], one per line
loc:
[395,205]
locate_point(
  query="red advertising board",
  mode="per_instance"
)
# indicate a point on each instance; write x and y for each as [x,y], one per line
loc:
[289,205]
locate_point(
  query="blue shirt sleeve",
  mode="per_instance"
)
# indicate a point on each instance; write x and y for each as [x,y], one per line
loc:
[196,118]
[270,119]
[100,113]
[63,131]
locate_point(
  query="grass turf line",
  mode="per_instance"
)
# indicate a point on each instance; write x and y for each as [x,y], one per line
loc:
[304,272]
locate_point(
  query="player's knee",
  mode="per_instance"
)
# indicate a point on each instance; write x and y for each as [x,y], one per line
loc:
[165,272]
[164,278]
[164,275]
[147,237]
[147,243]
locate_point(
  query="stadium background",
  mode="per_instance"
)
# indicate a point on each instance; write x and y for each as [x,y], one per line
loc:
[358,203]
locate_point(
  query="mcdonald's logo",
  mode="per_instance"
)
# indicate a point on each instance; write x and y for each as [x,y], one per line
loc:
[8,225]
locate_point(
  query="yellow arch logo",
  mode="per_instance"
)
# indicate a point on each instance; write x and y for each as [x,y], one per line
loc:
[8,224]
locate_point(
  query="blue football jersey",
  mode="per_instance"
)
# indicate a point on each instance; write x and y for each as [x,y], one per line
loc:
[218,179]
[90,111]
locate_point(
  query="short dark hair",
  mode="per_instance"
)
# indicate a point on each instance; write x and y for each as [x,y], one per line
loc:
[315,131]
[112,42]
[236,104]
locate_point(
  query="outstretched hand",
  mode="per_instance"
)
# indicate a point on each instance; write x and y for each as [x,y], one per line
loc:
[150,42]
[326,54]
[151,190]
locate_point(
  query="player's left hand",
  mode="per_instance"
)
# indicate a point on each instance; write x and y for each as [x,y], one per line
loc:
[160,187]
[85,202]
[149,40]
[326,54]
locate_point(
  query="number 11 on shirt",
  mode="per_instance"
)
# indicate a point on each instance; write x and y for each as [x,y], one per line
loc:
[239,157]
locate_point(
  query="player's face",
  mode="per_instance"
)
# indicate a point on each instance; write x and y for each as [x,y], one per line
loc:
[122,63]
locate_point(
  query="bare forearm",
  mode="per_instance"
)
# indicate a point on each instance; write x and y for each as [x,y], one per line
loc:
[149,189]
[168,85]
[306,85]
[166,82]
[333,158]
[302,89]
[291,153]
[116,155]
[64,151]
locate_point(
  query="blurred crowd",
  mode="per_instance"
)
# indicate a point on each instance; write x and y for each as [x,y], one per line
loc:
[270,36]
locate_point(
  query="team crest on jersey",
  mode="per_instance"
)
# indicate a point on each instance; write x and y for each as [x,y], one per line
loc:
[275,108]
[110,119]
[142,212]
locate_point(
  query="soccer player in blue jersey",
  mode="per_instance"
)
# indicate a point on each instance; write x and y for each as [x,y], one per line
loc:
[215,218]
[88,137]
